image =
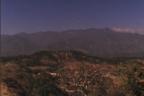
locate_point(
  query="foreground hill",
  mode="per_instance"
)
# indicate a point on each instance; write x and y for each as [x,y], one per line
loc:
[71,73]
[99,42]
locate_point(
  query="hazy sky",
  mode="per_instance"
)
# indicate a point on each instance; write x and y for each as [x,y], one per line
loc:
[42,15]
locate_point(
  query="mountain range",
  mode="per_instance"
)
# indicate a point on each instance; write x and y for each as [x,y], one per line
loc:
[99,42]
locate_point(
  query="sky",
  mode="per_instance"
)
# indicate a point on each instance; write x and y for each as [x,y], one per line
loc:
[57,15]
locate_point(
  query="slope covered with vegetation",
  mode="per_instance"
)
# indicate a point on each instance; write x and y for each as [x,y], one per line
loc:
[71,73]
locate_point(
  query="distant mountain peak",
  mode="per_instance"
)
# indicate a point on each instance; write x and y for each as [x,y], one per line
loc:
[129,30]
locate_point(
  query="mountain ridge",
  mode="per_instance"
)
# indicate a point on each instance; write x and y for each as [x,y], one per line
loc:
[99,42]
